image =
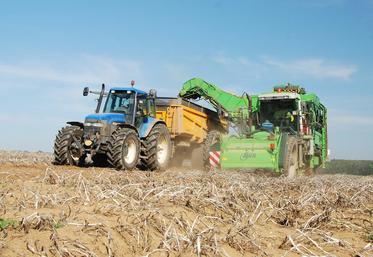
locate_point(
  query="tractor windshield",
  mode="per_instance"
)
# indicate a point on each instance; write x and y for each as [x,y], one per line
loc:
[120,101]
[279,112]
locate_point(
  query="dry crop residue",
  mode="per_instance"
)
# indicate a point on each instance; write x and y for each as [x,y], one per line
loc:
[68,211]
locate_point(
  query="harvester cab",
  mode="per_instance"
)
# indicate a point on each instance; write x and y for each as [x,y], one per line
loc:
[281,109]
[120,134]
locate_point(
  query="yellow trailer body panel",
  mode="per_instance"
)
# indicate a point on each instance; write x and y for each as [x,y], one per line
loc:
[188,121]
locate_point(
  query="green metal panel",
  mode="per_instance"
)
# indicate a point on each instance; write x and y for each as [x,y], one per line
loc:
[198,88]
[254,152]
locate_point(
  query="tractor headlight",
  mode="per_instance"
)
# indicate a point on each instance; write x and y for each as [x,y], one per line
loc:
[88,142]
[92,128]
[93,124]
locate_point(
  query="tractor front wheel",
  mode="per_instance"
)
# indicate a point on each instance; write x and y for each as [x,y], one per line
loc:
[68,146]
[124,149]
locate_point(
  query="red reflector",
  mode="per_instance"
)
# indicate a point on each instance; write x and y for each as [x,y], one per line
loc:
[272,147]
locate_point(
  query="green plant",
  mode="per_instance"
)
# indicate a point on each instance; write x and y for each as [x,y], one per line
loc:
[58,225]
[5,223]
[370,234]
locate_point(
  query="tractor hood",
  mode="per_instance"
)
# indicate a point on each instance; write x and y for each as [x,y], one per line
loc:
[106,117]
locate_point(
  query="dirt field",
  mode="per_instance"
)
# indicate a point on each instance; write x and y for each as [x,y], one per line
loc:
[67,211]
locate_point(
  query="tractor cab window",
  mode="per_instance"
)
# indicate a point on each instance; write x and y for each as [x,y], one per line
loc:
[152,111]
[146,106]
[120,101]
[279,112]
[142,109]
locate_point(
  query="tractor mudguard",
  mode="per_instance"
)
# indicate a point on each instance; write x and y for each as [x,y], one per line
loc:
[126,125]
[76,123]
[147,125]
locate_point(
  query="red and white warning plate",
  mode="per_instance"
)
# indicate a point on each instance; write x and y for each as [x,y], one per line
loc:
[214,159]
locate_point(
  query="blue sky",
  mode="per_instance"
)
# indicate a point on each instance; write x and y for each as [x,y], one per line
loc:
[50,50]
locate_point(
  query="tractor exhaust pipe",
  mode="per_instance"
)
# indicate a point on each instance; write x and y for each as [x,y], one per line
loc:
[99,101]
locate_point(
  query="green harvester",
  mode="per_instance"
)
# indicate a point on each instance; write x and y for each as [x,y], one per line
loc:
[284,130]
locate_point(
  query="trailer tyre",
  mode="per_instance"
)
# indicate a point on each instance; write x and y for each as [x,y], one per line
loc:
[212,143]
[68,149]
[157,148]
[291,163]
[124,149]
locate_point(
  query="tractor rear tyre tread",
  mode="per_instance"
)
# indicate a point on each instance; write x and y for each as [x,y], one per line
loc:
[62,142]
[150,148]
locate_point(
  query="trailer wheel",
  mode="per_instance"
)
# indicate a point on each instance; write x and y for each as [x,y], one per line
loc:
[291,163]
[212,143]
[157,148]
[68,147]
[197,158]
[124,149]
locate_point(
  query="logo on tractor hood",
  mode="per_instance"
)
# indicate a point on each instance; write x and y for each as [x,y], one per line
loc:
[106,117]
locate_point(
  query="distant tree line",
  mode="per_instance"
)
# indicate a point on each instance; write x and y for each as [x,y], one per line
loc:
[348,167]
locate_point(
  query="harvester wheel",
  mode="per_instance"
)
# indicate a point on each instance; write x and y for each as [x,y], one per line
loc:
[124,149]
[157,148]
[291,163]
[68,147]
[309,171]
[212,143]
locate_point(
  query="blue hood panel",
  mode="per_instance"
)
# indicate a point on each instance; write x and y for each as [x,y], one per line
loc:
[108,117]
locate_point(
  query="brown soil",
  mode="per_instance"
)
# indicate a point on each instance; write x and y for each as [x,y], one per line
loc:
[69,211]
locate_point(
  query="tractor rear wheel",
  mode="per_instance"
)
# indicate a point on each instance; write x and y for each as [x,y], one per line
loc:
[124,149]
[212,143]
[68,147]
[291,162]
[157,148]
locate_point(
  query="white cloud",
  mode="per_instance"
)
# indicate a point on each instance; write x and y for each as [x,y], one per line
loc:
[229,61]
[318,68]
[311,67]
[91,69]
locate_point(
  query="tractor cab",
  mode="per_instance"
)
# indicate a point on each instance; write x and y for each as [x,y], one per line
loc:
[125,105]
[132,104]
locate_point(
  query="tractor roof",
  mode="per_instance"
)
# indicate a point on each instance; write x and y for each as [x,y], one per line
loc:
[138,91]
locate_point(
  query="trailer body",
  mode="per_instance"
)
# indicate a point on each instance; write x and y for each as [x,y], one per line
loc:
[188,123]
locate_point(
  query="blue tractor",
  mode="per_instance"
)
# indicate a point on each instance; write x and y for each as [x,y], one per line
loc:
[126,134]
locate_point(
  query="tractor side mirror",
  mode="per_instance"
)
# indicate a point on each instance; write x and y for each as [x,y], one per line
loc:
[85,91]
[152,93]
